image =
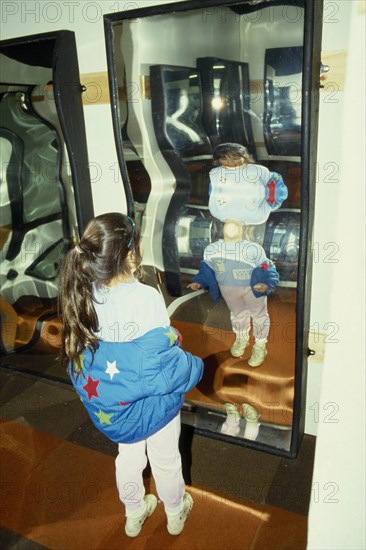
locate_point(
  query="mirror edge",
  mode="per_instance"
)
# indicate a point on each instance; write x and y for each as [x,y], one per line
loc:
[113,94]
[310,116]
[72,121]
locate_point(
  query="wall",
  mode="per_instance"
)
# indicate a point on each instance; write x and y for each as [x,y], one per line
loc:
[337,510]
[325,328]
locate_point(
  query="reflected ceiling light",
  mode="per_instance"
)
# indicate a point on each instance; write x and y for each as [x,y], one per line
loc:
[193,76]
[23,102]
[217,103]
[218,67]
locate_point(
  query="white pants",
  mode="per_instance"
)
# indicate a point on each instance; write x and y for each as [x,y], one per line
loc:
[244,306]
[166,466]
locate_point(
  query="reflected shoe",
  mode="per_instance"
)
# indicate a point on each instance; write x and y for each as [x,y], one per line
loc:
[134,523]
[250,414]
[252,423]
[258,355]
[230,427]
[251,431]
[239,346]
[176,522]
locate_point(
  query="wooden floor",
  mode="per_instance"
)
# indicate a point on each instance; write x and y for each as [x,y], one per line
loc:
[59,493]
[63,496]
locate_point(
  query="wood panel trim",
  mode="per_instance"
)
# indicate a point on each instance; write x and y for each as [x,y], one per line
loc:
[333,81]
[96,88]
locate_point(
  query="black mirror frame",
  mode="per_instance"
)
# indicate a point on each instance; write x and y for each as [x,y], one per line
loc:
[67,91]
[310,109]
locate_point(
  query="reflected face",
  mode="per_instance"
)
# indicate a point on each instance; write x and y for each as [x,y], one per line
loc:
[237,79]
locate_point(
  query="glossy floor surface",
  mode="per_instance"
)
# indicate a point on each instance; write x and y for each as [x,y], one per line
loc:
[58,486]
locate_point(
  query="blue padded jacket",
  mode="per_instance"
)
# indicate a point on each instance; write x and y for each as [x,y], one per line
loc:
[133,389]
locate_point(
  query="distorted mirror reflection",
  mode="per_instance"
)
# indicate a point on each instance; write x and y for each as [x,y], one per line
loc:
[39,214]
[228,73]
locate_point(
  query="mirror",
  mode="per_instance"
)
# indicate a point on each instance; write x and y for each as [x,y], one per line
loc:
[185,78]
[282,100]
[226,89]
[45,189]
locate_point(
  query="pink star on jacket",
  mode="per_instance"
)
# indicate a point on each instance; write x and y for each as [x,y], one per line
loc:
[265,265]
[91,387]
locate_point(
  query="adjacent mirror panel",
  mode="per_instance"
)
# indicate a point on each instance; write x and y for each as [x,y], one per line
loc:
[184,78]
[282,100]
[44,188]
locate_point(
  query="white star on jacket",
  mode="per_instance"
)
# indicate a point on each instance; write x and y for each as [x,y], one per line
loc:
[112,369]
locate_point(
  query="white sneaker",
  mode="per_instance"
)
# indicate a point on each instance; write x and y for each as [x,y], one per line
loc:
[176,522]
[250,414]
[252,423]
[258,355]
[230,427]
[134,524]
[251,431]
[239,346]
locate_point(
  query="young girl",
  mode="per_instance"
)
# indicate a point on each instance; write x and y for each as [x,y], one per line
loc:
[244,277]
[241,190]
[125,362]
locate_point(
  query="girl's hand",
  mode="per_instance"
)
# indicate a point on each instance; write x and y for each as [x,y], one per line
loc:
[194,286]
[260,287]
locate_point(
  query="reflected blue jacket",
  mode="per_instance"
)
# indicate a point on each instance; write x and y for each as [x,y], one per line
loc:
[247,194]
[133,389]
[265,273]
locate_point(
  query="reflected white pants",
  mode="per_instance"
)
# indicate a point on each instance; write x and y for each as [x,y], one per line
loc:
[166,465]
[244,306]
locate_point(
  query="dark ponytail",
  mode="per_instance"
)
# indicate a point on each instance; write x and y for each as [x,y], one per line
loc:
[101,255]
